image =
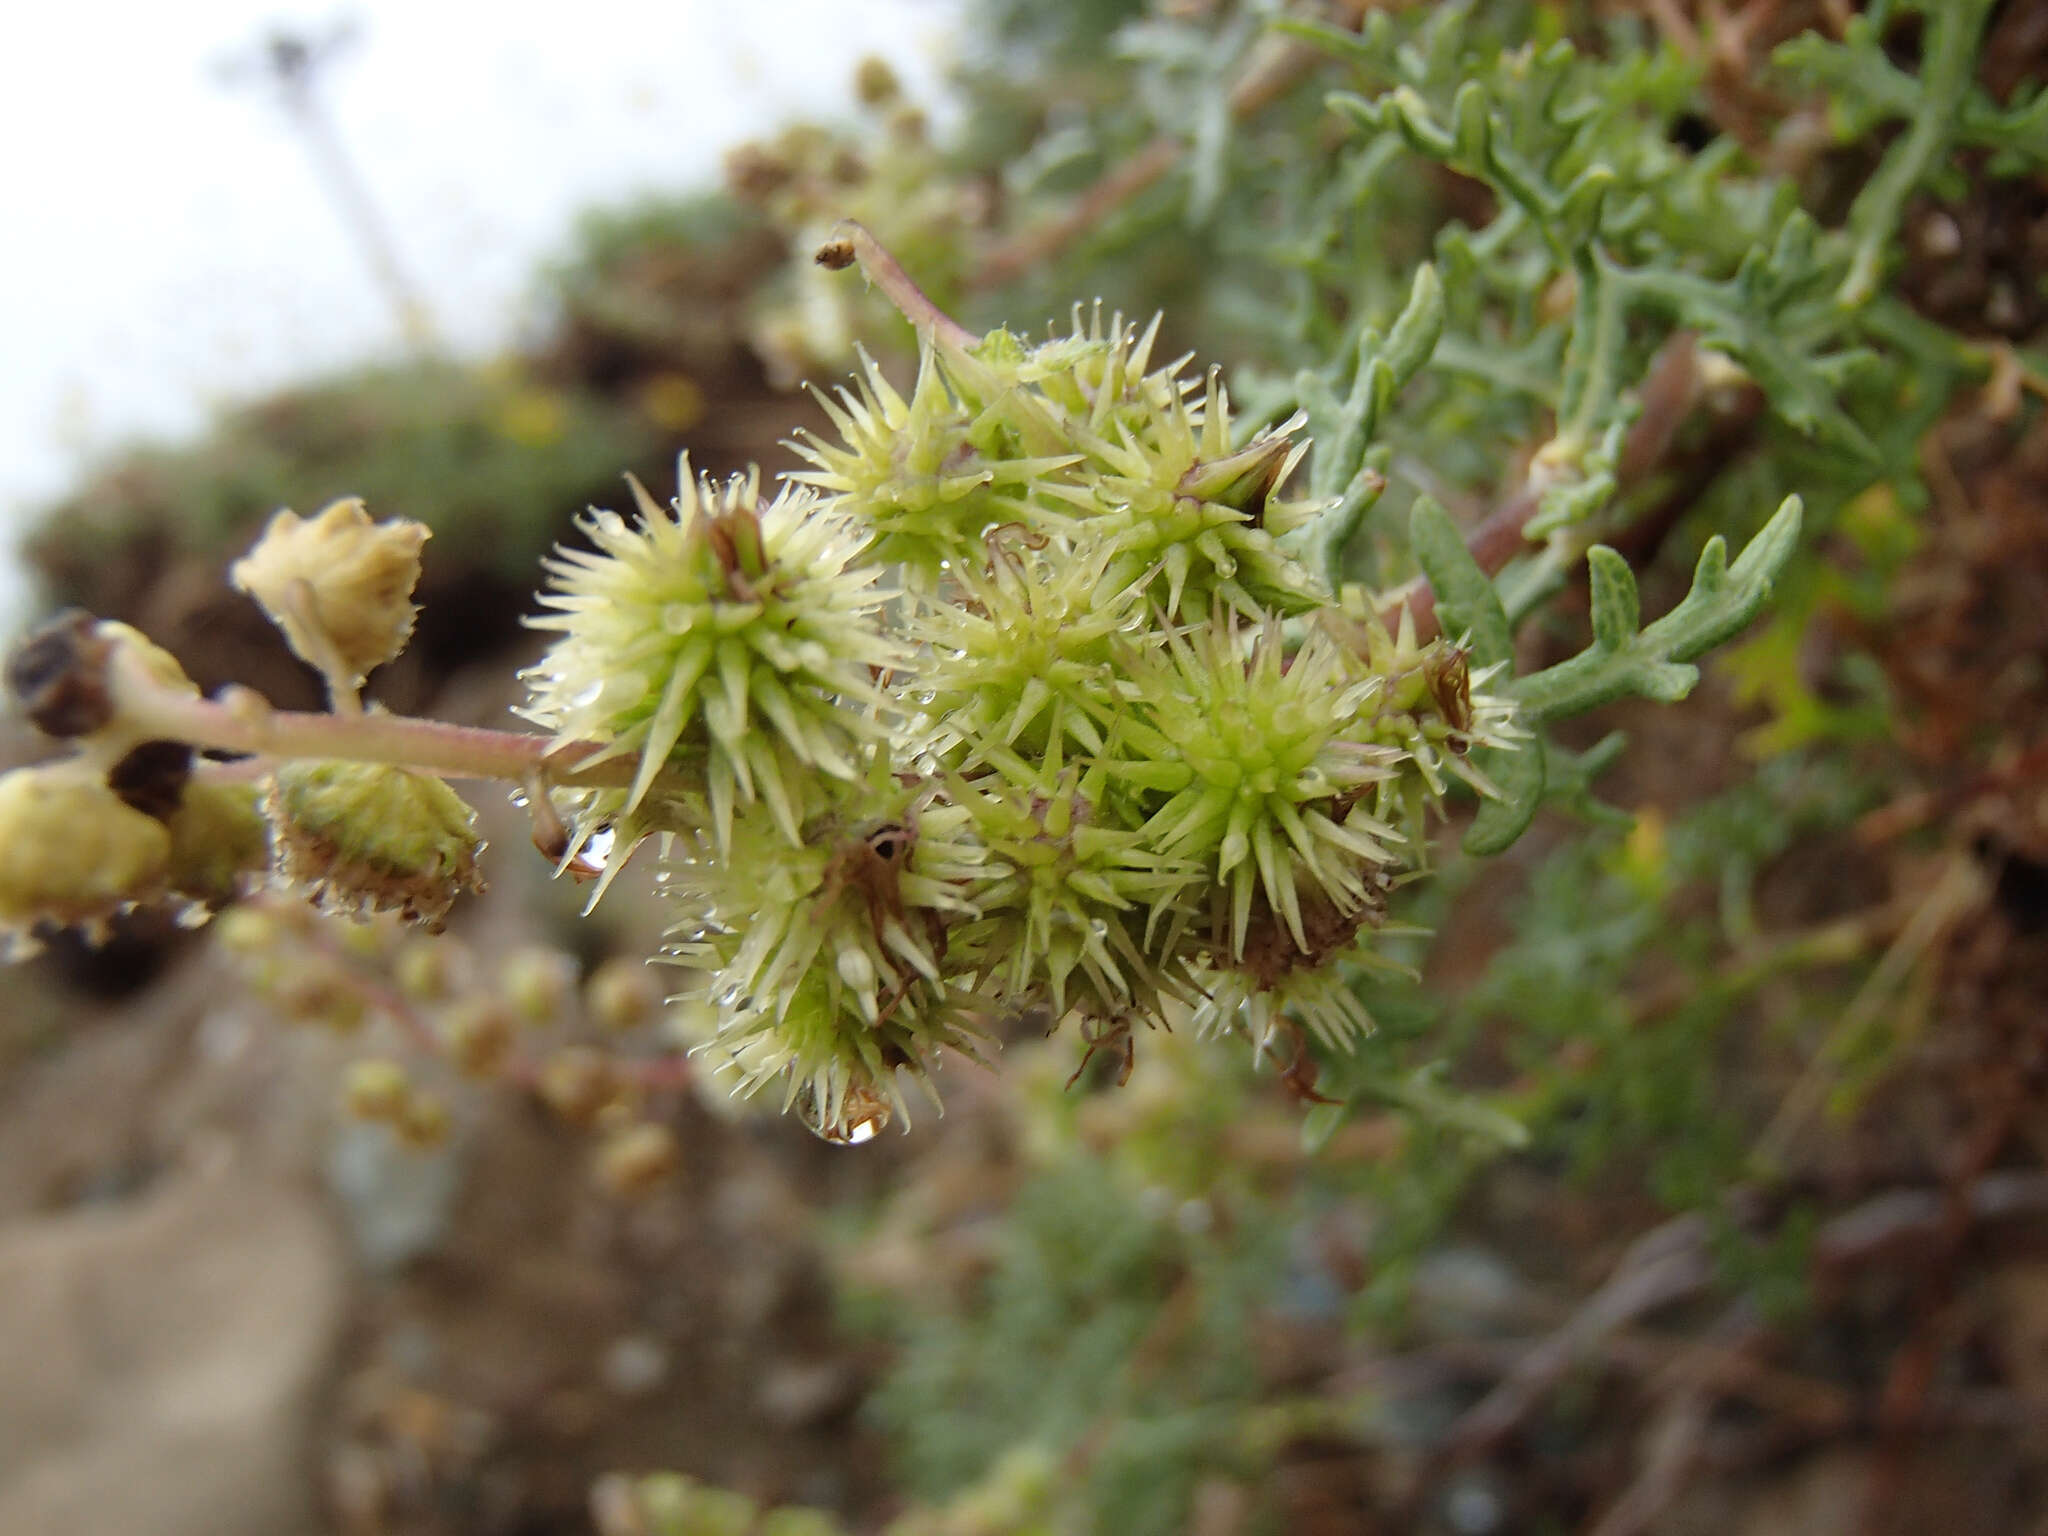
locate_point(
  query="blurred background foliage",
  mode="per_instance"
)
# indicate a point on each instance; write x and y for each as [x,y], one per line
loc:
[1693,1177]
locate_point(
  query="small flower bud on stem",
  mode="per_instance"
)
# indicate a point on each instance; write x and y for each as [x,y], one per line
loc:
[853,242]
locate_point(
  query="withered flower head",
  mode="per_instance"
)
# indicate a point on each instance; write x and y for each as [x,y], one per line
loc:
[338,585]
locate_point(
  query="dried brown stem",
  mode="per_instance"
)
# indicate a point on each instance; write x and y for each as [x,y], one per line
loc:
[1666,1264]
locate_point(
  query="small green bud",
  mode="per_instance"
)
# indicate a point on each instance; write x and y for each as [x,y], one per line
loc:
[364,838]
[538,982]
[219,839]
[377,1089]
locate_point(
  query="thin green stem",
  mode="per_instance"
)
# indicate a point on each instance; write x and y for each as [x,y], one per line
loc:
[1954,29]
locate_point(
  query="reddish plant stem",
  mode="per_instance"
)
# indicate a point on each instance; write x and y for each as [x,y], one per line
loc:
[854,241]
[242,721]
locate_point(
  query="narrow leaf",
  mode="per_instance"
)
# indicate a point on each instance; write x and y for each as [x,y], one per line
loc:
[1466,603]
[1617,611]
[1519,775]
[1652,664]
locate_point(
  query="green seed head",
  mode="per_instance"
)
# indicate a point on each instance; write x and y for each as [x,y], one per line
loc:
[1254,762]
[926,477]
[719,631]
[1070,902]
[826,957]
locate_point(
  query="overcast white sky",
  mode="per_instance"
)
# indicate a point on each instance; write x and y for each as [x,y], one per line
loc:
[164,246]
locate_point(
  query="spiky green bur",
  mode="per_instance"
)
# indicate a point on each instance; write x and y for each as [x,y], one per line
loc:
[1254,770]
[1069,901]
[927,476]
[1178,504]
[1077,439]
[1296,783]
[720,629]
[826,956]
[1020,657]
[1431,707]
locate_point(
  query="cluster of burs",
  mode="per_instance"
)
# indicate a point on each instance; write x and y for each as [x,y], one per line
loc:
[1015,706]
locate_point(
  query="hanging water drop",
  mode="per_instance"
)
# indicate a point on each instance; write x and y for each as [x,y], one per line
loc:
[861,1115]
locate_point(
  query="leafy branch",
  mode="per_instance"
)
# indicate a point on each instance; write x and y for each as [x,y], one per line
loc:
[1766,314]
[1345,469]
[1625,657]
[1653,661]
[1942,107]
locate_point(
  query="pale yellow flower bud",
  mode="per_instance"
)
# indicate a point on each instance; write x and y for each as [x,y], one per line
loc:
[637,1159]
[425,970]
[538,982]
[377,1089]
[338,585]
[576,1083]
[424,1123]
[161,666]
[623,995]
[477,1034]
[74,853]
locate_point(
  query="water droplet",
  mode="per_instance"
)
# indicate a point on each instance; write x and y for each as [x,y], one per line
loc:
[597,848]
[863,1115]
